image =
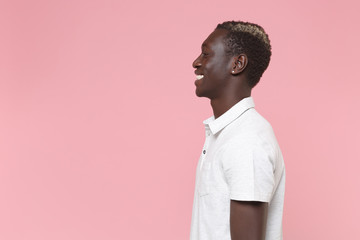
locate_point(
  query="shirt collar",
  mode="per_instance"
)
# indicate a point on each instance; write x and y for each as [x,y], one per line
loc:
[215,125]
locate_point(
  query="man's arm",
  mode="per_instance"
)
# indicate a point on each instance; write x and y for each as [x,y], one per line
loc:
[248,220]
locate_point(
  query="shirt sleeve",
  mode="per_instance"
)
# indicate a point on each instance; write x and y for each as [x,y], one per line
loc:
[249,171]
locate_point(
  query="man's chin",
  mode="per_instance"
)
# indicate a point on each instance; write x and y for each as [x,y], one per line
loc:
[198,93]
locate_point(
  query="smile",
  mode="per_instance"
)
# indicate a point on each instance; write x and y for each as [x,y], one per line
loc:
[198,77]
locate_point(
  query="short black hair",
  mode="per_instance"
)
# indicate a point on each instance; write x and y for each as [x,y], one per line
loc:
[249,39]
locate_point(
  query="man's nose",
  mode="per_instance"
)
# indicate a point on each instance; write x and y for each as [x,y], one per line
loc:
[196,63]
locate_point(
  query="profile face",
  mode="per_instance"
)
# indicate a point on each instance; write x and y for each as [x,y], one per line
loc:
[213,66]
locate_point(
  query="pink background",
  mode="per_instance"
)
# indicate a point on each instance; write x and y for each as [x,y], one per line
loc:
[100,129]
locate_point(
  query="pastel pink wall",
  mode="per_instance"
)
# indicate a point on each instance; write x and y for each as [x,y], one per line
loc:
[100,130]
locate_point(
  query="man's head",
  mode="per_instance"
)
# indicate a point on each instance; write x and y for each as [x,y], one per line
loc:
[249,39]
[232,60]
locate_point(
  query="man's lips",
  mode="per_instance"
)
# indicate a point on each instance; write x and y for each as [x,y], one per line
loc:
[198,77]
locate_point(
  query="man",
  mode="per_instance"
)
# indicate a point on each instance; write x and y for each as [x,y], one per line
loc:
[240,179]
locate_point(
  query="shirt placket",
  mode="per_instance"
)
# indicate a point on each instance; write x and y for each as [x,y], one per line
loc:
[206,145]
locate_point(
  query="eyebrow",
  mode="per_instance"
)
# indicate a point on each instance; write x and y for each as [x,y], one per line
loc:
[204,45]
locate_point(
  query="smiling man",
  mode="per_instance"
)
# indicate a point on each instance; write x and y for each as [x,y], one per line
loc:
[240,177]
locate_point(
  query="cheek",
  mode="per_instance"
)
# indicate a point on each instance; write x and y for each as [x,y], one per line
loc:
[221,65]
[219,71]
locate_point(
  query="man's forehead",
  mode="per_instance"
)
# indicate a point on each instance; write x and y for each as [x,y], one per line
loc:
[204,44]
[217,34]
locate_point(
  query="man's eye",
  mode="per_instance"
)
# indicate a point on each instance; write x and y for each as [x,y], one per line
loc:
[204,54]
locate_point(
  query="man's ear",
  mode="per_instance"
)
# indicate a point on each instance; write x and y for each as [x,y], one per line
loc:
[239,64]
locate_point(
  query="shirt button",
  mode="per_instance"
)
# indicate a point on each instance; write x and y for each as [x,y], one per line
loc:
[204,151]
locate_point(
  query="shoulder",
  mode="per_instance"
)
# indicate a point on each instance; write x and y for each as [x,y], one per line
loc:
[250,135]
[250,129]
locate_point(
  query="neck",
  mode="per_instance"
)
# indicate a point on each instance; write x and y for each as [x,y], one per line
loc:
[234,92]
[221,105]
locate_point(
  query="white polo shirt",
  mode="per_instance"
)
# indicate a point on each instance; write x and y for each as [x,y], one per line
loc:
[241,160]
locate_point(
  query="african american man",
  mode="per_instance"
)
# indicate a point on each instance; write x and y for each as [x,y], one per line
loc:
[240,177]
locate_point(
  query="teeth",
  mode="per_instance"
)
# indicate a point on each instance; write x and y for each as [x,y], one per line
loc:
[198,77]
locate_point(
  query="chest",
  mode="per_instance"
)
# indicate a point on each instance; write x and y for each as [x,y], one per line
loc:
[210,175]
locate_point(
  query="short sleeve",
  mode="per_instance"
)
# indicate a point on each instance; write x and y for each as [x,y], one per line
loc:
[249,172]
